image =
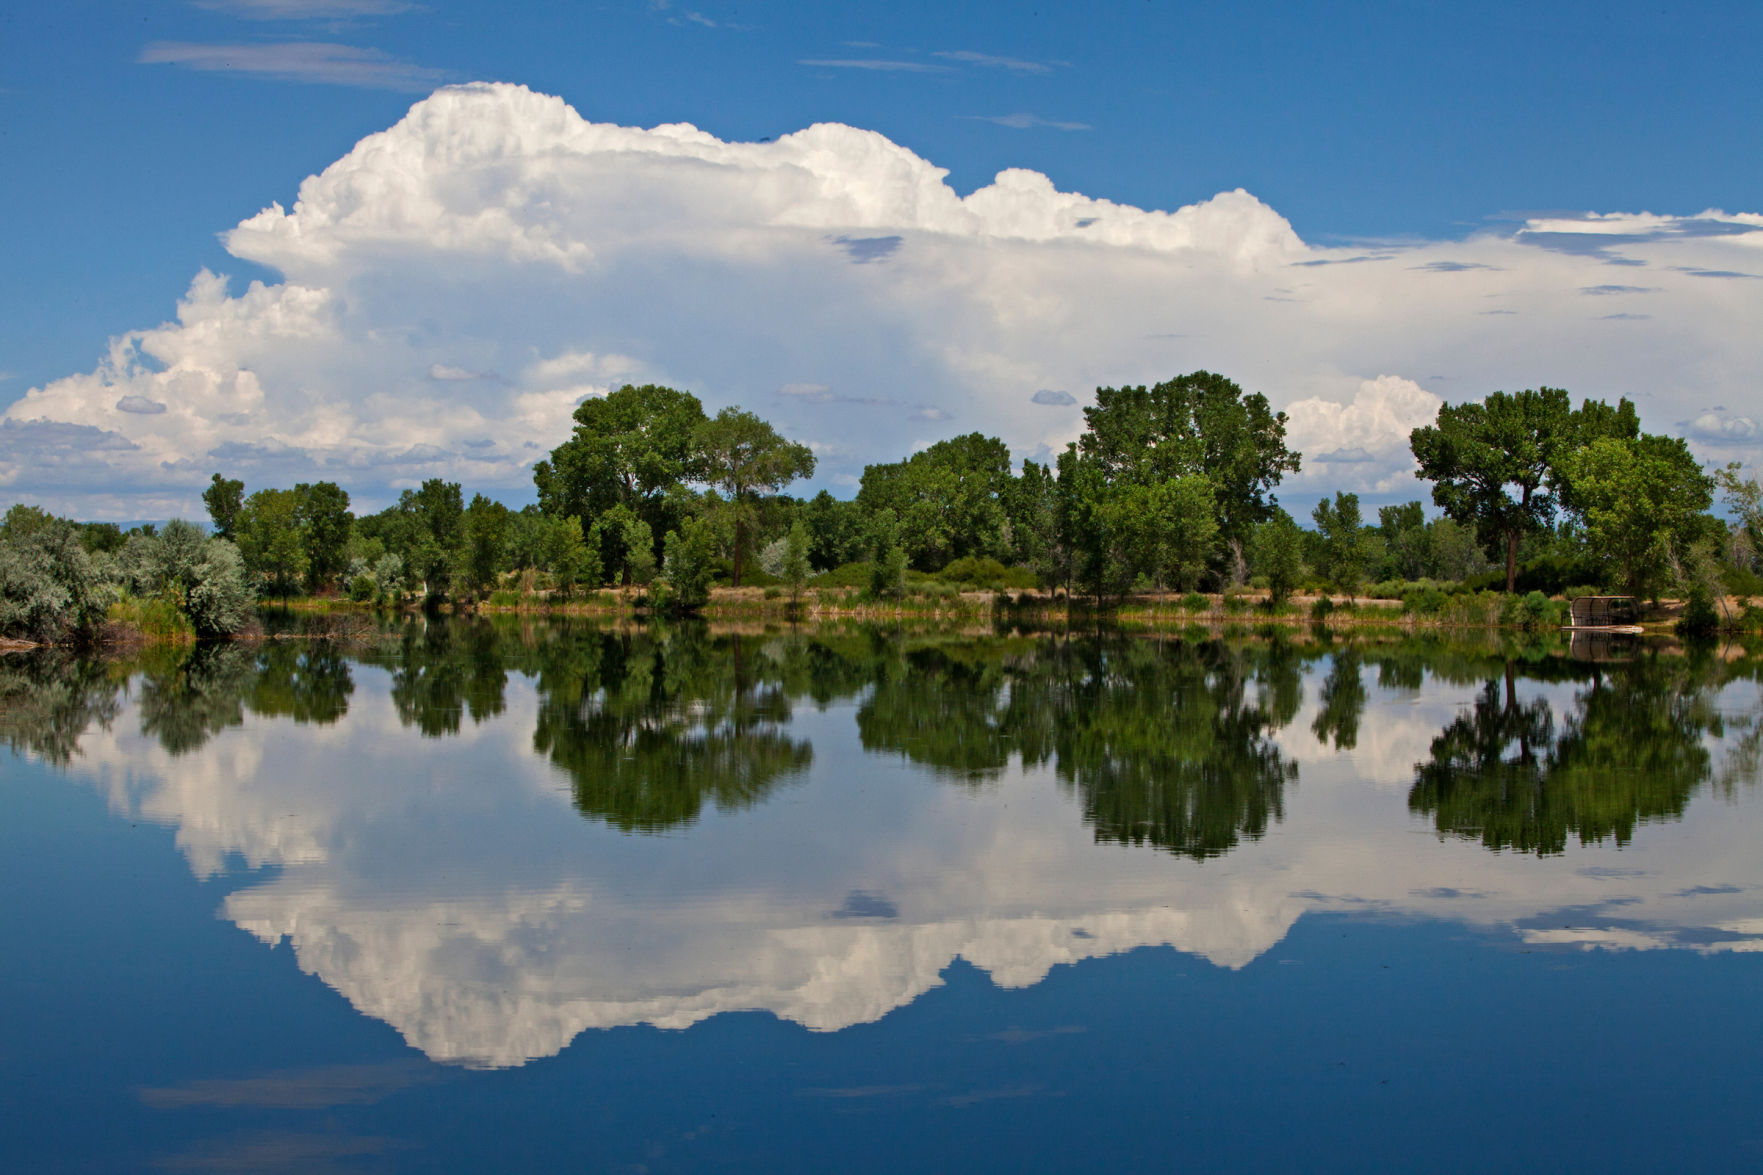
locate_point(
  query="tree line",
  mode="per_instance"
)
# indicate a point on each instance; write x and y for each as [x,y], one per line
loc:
[1176,745]
[1169,488]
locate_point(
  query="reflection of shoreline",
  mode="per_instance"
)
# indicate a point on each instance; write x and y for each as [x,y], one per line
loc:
[432,869]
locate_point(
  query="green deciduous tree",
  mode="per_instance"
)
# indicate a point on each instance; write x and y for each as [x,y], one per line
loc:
[1405,549]
[887,558]
[628,449]
[1490,464]
[1168,529]
[796,560]
[484,533]
[688,562]
[950,499]
[1342,546]
[1277,552]
[1643,502]
[745,457]
[270,539]
[1200,423]
[224,498]
[835,531]
[325,524]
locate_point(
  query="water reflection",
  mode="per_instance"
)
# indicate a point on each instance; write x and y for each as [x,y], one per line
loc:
[852,810]
[651,726]
[1632,747]
[49,698]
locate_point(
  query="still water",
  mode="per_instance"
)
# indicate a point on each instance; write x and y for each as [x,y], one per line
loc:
[473,896]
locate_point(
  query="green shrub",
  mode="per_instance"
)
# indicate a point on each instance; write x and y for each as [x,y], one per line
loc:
[361,589]
[849,575]
[221,602]
[158,618]
[503,598]
[988,573]
[1426,602]
[1321,608]
[1195,602]
[1741,581]
[1531,611]
[1699,615]
[50,588]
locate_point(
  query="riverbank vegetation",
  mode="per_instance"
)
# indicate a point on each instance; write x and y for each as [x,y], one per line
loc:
[1165,506]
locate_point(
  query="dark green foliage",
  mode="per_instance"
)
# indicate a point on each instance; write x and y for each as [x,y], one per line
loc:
[1341,551]
[1195,424]
[988,574]
[687,564]
[629,448]
[325,522]
[1276,552]
[745,457]
[835,531]
[484,531]
[271,541]
[225,499]
[1514,776]
[950,499]
[1642,500]
[796,566]
[1490,464]
[887,558]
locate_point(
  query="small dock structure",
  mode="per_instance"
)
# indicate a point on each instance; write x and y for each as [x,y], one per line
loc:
[1606,612]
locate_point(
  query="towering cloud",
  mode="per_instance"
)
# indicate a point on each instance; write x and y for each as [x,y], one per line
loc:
[452,286]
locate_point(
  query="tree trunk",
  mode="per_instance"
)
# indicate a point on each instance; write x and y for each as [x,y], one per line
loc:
[1511,561]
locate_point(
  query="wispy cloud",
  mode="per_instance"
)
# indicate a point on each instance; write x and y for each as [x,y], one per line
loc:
[1452,266]
[992,61]
[1023,122]
[874,64]
[318,62]
[447,373]
[1607,290]
[807,393]
[306,9]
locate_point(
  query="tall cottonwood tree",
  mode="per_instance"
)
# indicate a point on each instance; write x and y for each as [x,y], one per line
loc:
[630,448]
[1491,463]
[745,457]
[1200,423]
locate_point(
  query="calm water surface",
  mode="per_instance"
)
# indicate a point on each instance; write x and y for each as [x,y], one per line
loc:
[463,896]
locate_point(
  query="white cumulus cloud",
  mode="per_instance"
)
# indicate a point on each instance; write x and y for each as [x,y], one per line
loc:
[470,274]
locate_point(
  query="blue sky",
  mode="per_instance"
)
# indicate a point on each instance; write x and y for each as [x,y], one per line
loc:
[134,134]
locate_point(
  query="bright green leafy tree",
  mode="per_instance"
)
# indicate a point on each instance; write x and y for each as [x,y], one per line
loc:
[745,457]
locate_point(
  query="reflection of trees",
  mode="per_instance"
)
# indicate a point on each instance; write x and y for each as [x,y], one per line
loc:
[1511,774]
[650,726]
[1165,744]
[48,698]
[202,691]
[308,681]
[197,694]
[940,706]
[443,671]
[1342,701]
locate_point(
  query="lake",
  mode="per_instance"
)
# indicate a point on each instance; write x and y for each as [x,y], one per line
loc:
[463,895]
